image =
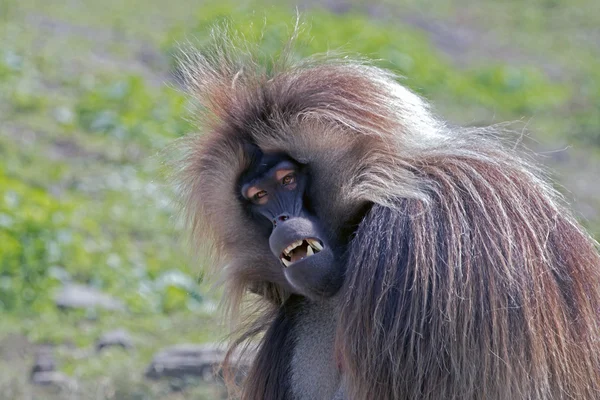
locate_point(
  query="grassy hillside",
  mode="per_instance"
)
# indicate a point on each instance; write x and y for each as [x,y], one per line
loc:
[87,103]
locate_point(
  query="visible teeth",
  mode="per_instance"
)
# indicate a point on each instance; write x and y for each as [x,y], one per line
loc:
[313,247]
[315,244]
[292,247]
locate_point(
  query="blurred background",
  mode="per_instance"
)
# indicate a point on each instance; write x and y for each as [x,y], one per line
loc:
[96,283]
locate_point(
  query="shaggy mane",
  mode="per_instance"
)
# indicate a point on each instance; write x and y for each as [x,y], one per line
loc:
[467,279]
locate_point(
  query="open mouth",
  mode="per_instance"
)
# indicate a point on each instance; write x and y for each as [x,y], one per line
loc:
[299,250]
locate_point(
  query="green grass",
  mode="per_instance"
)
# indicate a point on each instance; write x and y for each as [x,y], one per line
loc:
[87,104]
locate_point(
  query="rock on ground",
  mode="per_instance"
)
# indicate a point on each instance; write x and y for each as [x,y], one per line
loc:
[189,360]
[119,338]
[81,296]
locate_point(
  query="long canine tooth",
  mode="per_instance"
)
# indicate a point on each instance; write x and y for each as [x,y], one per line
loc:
[309,251]
[286,262]
[316,245]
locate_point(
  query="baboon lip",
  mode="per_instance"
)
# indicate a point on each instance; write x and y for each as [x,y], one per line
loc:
[300,250]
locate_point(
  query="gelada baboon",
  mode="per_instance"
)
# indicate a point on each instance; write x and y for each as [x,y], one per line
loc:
[390,256]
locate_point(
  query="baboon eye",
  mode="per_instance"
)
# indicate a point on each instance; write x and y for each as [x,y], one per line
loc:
[259,195]
[256,195]
[288,179]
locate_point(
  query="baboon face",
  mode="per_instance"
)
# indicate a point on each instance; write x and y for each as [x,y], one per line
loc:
[274,192]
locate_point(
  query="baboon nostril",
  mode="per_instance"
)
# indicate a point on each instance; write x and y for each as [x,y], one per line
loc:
[281,218]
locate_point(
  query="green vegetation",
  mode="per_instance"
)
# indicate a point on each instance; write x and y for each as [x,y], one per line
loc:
[87,104]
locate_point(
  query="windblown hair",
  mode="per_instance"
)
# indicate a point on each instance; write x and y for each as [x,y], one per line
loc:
[467,277]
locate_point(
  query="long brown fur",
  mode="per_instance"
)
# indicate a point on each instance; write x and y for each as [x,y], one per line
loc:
[467,278]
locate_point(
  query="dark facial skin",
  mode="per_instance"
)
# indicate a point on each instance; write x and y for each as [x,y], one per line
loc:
[274,191]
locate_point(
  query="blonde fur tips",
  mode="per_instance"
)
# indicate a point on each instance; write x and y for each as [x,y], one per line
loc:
[466,278]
